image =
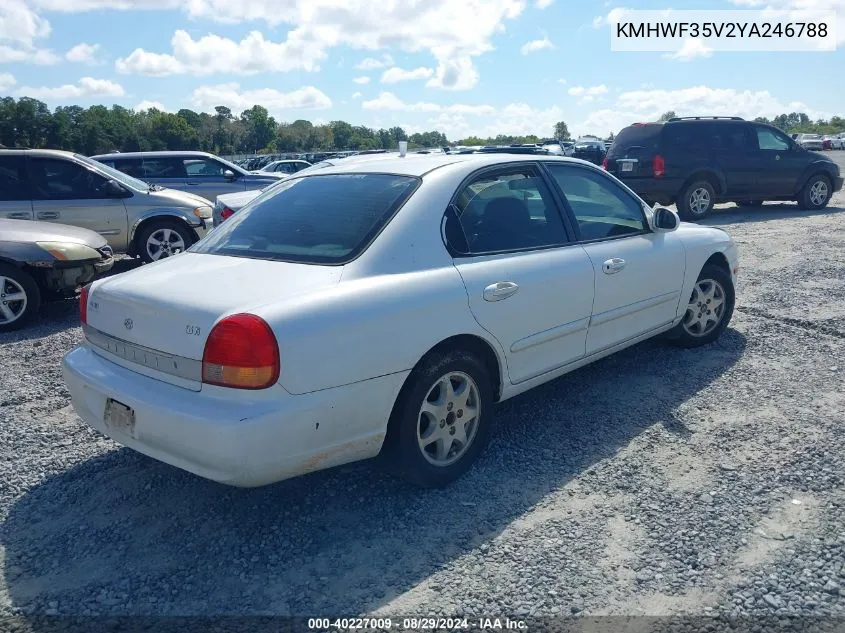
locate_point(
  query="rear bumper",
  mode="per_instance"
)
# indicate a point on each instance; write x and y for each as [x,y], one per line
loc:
[662,190]
[234,438]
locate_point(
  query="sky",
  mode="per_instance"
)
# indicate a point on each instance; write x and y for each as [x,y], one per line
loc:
[463,67]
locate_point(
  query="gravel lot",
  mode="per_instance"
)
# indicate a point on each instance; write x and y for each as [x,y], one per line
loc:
[658,481]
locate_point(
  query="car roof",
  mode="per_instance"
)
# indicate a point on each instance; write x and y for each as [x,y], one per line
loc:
[37,152]
[420,164]
[164,154]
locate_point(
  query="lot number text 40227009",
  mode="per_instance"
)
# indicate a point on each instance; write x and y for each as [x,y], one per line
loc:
[416,624]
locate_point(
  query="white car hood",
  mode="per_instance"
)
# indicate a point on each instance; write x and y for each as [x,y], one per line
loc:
[236,201]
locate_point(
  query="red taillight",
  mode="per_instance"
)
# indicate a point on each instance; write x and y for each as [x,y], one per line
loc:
[241,352]
[659,166]
[604,163]
[226,212]
[83,304]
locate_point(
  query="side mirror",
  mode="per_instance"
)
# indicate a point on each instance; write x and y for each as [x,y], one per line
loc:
[115,190]
[665,220]
[229,175]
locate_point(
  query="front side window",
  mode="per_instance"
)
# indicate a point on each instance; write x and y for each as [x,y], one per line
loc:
[13,184]
[56,179]
[769,139]
[508,210]
[203,167]
[602,209]
[315,220]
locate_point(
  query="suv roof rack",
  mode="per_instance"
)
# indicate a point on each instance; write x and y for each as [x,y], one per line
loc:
[707,118]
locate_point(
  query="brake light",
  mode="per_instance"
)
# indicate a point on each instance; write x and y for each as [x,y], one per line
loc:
[242,353]
[604,163]
[83,305]
[226,212]
[659,166]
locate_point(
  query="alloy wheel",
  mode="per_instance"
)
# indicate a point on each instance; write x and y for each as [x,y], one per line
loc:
[706,308]
[12,300]
[164,242]
[448,419]
[818,193]
[699,201]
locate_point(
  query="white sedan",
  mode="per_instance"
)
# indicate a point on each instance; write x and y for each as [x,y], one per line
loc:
[383,309]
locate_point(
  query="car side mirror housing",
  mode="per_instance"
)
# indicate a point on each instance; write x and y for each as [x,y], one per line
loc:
[665,220]
[229,175]
[115,190]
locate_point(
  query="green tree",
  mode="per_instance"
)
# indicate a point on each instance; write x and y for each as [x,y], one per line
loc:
[667,115]
[561,130]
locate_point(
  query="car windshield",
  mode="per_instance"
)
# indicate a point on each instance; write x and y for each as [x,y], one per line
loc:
[321,219]
[129,181]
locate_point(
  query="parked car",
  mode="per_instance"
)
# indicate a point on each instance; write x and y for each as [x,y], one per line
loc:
[392,330]
[41,261]
[283,167]
[591,150]
[833,141]
[135,217]
[697,162]
[809,141]
[200,173]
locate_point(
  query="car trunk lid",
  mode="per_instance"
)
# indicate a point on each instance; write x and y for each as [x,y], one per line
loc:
[156,319]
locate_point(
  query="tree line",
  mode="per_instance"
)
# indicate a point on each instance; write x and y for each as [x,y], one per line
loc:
[28,122]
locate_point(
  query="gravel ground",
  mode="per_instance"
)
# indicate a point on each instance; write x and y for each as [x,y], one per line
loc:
[658,481]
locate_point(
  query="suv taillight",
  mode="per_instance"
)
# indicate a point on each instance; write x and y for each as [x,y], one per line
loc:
[659,166]
[242,353]
[83,304]
[604,163]
[226,212]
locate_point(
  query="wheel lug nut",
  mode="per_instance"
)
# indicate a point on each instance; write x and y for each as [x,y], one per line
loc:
[449,406]
[442,423]
[451,430]
[460,413]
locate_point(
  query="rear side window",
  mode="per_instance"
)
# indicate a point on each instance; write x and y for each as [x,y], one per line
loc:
[687,136]
[13,184]
[328,219]
[162,168]
[731,137]
[636,140]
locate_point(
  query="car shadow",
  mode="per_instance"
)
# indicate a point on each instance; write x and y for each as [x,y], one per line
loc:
[122,534]
[732,214]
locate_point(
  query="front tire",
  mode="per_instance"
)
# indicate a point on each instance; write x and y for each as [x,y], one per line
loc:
[20,297]
[709,310]
[816,193]
[441,421]
[696,200]
[161,239]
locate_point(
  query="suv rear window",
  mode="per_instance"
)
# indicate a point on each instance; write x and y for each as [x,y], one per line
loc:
[321,219]
[636,140]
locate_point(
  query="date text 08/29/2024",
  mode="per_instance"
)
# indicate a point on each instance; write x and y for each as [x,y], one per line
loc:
[416,624]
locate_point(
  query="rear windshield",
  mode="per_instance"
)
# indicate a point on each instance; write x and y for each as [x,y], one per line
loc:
[636,140]
[321,219]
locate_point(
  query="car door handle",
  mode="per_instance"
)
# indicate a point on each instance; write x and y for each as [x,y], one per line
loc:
[499,291]
[612,266]
[48,215]
[21,215]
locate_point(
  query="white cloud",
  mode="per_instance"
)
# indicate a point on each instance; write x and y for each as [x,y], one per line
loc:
[84,88]
[361,81]
[691,49]
[537,45]
[7,81]
[562,81]
[454,74]
[592,91]
[29,55]
[389,101]
[214,54]
[396,74]
[371,63]
[149,105]
[452,32]
[205,98]
[20,24]
[542,4]
[648,105]
[614,16]
[357,95]
[83,54]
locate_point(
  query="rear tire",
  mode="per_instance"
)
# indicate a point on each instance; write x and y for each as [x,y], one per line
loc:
[816,193]
[20,297]
[696,200]
[709,310]
[161,239]
[440,423]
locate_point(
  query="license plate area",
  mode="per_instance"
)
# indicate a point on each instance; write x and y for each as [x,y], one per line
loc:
[119,417]
[626,165]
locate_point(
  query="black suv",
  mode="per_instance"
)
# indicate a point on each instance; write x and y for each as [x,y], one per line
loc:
[696,162]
